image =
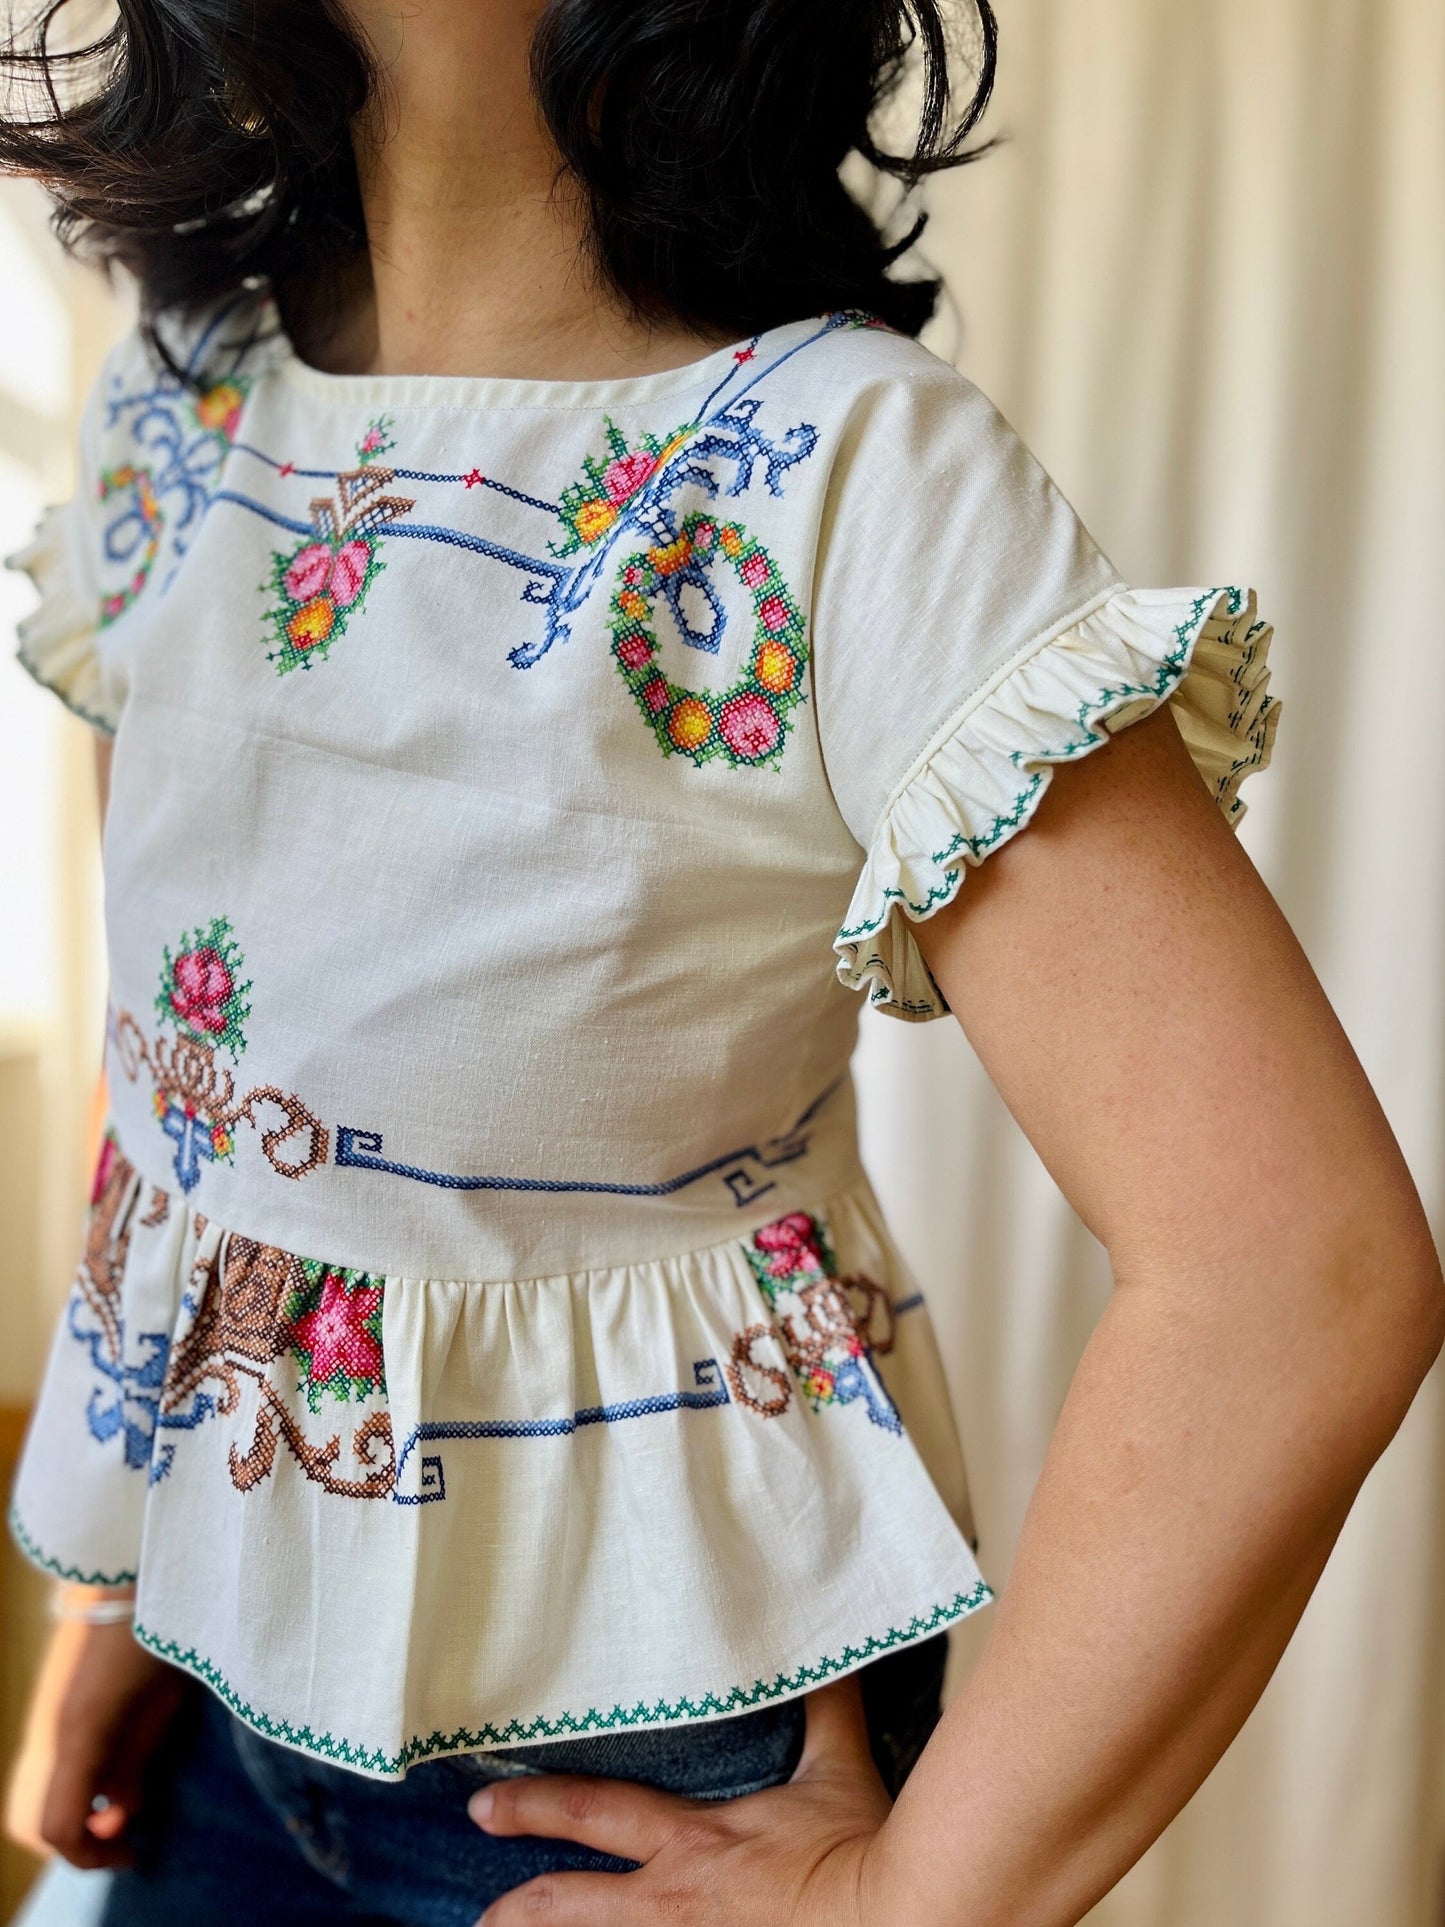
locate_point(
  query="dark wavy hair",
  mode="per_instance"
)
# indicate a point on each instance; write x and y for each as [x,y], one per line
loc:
[205,145]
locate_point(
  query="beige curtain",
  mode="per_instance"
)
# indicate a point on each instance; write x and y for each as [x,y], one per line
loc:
[1205,278]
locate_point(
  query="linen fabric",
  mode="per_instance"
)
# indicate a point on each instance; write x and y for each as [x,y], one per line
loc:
[486,1333]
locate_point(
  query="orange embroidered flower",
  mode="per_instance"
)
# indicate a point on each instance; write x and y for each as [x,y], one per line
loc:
[312,623]
[671,557]
[690,724]
[219,408]
[776,667]
[593,519]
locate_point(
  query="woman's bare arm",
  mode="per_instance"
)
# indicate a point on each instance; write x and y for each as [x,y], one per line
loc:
[99,1705]
[1140,1002]
[1142,1005]
[104,745]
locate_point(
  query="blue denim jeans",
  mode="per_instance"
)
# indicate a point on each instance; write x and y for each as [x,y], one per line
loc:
[235,1827]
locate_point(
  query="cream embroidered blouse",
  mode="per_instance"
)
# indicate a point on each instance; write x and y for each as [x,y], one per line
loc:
[485,1332]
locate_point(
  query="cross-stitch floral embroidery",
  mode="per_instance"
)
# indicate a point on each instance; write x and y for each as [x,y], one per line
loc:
[201,992]
[188,436]
[822,1325]
[320,586]
[333,1320]
[629,493]
[218,408]
[128,1369]
[590,507]
[745,723]
[254,1305]
[203,997]
[145,524]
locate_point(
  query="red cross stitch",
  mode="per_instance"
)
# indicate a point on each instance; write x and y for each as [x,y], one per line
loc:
[474,478]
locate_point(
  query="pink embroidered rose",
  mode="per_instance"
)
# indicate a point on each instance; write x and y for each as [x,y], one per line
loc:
[774,614]
[336,1335]
[626,474]
[307,574]
[654,694]
[105,1164]
[634,651]
[791,1245]
[749,726]
[755,570]
[201,988]
[348,573]
[371,441]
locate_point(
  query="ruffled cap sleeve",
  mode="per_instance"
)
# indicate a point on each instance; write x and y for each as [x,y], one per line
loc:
[1201,651]
[58,640]
[970,637]
[63,641]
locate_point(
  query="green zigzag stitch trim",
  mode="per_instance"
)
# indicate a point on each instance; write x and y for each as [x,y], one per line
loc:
[1088,714]
[737,1699]
[73,1573]
[32,669]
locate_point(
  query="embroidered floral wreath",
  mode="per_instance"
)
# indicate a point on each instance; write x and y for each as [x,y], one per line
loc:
[747,722]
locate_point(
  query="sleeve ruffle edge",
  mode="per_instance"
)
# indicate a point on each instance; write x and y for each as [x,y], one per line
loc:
[57,641]
[979,783]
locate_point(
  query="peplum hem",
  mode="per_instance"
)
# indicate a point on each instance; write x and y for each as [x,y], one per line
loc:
[725,1702]
[387,1519]
[980,781]
[57,640]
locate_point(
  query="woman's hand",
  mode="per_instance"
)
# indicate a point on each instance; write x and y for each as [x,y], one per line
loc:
[99,1709]
[800,1853]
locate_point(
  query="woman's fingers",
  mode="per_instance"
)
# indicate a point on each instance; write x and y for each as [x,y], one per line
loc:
[122,1779]
[612,1816]
[836,1736]
[110,1814]
[570,1900]
[791,1853]
[69,1822]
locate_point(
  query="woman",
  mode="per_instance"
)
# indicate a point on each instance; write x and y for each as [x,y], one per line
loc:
[562,637]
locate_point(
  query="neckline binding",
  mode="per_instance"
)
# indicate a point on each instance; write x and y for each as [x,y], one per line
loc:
[507,391]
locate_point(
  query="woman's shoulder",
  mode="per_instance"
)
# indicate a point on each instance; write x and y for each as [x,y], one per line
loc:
[161,415]
[197,365]
[857,355]
[907,425]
